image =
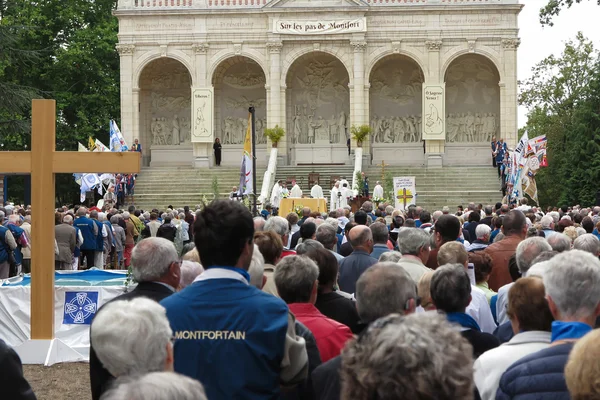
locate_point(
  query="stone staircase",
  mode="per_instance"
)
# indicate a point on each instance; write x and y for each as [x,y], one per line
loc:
[447,186]
[158,187]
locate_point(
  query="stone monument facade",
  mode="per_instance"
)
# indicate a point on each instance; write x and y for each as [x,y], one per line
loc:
[435,79]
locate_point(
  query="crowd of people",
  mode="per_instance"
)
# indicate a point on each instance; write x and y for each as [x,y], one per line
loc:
[489,302]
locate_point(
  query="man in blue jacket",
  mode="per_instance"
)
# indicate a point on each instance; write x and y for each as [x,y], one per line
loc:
[89,231]
[238,341]
[572,282]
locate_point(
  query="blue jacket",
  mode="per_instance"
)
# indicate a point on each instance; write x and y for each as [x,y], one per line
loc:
[378,250]
[352,267]
[99,237]
[230,336]
[502,148]
[3,245]
[86,226]
[539,376]
[16,232]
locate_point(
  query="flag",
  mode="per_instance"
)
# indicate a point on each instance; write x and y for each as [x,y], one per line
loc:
[89,181]
[117,141]
[246,170]
[91,144]
[81,147]
[100,146]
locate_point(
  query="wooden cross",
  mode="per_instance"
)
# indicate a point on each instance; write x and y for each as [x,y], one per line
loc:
[404,196]
[383,165]
[43,162]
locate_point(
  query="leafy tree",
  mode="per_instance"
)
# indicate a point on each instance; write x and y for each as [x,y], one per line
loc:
[553,8]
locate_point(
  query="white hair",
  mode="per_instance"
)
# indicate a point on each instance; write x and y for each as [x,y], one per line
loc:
[14,219]
[528,250]
[587,242]
[568,218]
[151,259]
[126,215]
[132,336]
[156,386]
[555,216]
[257,268]
[101,216]
[390,256]
[580,231]
[482,231]
[68,219]
[547,222]
[279,225]
[333,222]
[538,269]
[572,281]
[189,271]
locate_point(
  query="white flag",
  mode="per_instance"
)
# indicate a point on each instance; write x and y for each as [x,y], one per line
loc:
[81,147]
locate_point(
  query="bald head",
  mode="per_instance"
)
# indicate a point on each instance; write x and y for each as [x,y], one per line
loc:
[361,238]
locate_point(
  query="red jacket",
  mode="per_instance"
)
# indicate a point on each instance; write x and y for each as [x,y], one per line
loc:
[331,336]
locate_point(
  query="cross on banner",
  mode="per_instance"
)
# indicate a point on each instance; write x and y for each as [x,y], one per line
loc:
[43,162]
[404,196]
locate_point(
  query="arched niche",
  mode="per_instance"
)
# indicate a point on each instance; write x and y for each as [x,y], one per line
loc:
[239,83]
[472,100]
[395,100]
[318,101]
[165,105]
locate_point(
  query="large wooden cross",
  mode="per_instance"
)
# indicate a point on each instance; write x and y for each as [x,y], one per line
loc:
[43,162]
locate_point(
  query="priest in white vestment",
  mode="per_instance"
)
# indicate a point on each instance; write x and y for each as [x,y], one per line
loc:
[346,194]
[276,195]
[296,192]
[317,192]
[335,191]
[378,191]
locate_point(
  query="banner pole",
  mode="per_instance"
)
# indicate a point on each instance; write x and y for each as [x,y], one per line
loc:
[254,209]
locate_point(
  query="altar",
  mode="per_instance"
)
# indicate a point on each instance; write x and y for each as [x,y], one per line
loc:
[287,205]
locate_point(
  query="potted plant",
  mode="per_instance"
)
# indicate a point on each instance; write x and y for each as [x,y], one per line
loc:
[274,134]
[360,133]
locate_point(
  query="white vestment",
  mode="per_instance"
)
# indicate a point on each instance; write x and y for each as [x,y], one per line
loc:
[378,192]
[346,193]
[317,192]
[276,196]
[296,191]
[335,202]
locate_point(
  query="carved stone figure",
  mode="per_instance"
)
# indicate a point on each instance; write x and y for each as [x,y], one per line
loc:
[176,130]
[297,133]
[342,127]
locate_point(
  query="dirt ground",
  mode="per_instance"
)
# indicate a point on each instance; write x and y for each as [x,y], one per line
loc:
[66,381]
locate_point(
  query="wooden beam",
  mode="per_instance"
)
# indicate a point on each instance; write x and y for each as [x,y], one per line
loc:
[43,139]
[69,162]
[15,162]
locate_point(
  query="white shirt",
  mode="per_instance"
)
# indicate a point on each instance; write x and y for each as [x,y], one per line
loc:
[378,192]
[317,192]
[334,198]
[296,191]
[345,194]
[276,195]
[479,309]
[490,366]
[502,303]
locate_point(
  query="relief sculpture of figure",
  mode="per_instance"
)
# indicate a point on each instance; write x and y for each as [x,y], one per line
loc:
[154,132]
[176,129]
[398,130]
[342,127]
[297,133]
[452,127]
[470,125]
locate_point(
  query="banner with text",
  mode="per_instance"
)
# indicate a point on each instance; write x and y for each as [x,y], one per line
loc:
[319,27]
[202,115]
[404,192]
[434,117]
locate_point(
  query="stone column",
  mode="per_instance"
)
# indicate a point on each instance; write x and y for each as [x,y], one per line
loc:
[508,93]
[202,151]
[359,115]
[276,97]
[434,149]
[127,102]
[135,115]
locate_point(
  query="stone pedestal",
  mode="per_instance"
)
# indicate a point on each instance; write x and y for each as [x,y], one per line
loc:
[320,154]
[398,154]
[434,160]
[468,154]
[171,155]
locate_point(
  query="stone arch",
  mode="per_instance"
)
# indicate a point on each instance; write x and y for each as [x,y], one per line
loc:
[382,54]
[318,107]
[239,82]
[165,109]
[293,56]
[482,51]
[472,99]
[226,54]
[395,100]
[150,57]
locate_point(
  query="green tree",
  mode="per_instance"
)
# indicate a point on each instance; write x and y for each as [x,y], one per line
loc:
[553,8]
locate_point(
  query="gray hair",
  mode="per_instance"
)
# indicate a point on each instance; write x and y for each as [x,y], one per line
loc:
[151,259]
[559,242]
[81,211]
[189,271]
[572,281]
[390,256]
[380,233]
[67,219]
[538,269]
[114,220]
[436,215]
[412,240]
[326,235]
[546,222]
[126,215]
[295,277]
[436,361]
[383,289]
[451,288]
[587,242]
[499,237]
[487,210]
[308,245]
[259,224]
[555,216]
[257,268]
[528,250]
[334,222]
[131,336]
[482,231]
[156,386]
[279,225]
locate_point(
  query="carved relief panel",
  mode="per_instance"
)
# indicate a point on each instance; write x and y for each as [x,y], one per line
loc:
[472,100]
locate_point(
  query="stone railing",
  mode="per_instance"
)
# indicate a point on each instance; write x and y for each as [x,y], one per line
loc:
[436,2]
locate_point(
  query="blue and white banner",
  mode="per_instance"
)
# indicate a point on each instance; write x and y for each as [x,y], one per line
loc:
[117,141]
[80,307]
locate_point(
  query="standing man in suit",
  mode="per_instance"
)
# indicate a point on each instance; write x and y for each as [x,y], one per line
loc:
[156,269]
[66,239]
[494,147]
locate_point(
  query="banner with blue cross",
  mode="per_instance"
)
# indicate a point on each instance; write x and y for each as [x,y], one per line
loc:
[80,307]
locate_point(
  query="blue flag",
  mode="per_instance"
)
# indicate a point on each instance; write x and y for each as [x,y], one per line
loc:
[117,141]
[80,308]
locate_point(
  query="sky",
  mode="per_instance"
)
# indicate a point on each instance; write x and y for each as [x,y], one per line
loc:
[538,42]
